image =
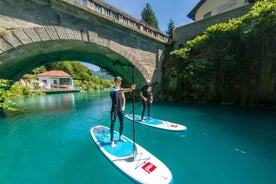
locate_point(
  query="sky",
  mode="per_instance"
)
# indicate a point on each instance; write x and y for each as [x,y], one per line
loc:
[164,10]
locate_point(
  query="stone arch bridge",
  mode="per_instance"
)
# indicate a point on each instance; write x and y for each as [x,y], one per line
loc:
[37,32]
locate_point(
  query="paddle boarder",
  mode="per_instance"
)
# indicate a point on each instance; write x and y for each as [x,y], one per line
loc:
[147,98]
[118,107]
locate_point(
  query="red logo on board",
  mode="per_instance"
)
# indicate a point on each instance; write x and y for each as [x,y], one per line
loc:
[149,167]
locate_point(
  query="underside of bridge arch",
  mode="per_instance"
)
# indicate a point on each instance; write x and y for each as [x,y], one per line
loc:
[17,62]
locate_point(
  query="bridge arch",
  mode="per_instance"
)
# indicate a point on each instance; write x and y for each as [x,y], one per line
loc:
[16,62]
[39,32]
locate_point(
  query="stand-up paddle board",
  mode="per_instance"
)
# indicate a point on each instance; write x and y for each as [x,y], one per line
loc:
[157,123]
[138,163]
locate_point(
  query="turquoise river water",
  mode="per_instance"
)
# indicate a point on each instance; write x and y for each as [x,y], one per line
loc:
[48,141]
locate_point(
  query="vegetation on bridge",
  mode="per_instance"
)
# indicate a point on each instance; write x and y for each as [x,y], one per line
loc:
[232,62]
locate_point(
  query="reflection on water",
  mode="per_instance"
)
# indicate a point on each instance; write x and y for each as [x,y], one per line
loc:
[55,102]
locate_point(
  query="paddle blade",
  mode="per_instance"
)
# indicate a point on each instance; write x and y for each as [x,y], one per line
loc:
[134,151]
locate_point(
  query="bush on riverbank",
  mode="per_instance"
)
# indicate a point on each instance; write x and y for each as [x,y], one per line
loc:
[5,95]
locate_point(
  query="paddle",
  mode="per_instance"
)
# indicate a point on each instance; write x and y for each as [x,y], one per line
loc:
[133,122]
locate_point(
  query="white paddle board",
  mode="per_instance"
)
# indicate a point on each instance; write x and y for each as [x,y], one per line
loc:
[138,164]
[157,123]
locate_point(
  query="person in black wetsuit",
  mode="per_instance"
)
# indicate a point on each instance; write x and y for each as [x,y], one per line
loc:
[118,107]
[147,98]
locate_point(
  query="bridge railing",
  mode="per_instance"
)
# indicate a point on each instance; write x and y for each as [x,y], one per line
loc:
[121,17]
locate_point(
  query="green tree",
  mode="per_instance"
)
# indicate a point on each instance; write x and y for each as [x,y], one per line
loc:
[170,44]
[149,17]
[170,29]
[38,70]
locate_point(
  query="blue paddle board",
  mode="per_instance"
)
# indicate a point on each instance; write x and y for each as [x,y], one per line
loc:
[157,123]
[136,162]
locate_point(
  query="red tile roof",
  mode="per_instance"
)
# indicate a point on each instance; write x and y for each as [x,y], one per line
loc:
[55,73]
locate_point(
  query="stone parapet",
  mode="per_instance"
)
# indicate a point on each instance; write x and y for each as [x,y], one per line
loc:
[102,8]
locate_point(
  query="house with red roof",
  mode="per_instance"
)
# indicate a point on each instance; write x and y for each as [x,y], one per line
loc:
[55,79]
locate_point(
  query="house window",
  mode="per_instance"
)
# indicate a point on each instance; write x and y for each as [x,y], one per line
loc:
[65,81]
[250,1]
[44,81]
[207,15]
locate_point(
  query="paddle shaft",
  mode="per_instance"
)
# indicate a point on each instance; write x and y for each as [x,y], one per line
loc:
[133,104]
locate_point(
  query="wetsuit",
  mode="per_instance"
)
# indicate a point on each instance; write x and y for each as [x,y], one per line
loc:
[147,93]
[116,110]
